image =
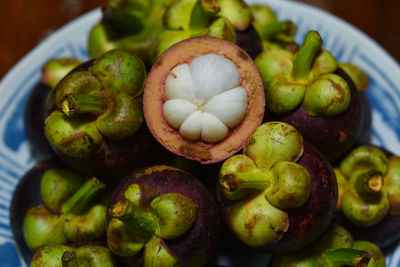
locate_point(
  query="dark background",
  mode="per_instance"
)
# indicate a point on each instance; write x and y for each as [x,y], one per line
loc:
[24,23]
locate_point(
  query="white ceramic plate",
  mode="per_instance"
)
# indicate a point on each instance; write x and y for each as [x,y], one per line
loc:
[343,40]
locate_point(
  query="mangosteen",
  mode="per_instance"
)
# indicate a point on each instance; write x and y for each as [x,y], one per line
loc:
[281,193]
[132,27]
[95,119]
[34,115]
[335,247]
[61,256]
[310,92]
[53,205]
[203,98]
[369,195]
[273,33]
[162,214]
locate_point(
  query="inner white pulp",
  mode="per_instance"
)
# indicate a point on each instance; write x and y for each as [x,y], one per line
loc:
[205,98]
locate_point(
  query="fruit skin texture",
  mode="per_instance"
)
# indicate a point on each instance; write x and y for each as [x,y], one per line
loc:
[308,221]
[198,245]
[154,97]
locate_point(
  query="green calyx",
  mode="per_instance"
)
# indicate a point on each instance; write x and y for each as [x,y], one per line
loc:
[55,69]
[303,79]
[265,180]
[357,75]
[69,213]
[143,219]
[65,256]
[184,19]
[365,198]
[131,25]
[274,34]
[335,247]
[97,104]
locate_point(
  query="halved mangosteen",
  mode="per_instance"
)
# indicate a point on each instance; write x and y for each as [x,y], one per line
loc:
[203,98]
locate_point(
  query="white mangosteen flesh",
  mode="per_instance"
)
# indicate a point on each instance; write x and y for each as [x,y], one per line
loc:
[204,98]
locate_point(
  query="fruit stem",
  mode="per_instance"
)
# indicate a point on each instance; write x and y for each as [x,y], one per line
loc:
[76,104]
[69,259]
[271,30]
[245,180]
[369,183]
[350,257]
[79,200]
[302,65]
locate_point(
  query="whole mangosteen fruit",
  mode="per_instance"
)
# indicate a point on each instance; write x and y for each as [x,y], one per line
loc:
[369,195]
[95,120]
[53,205]
[281,194]
[203,98]
[161,214]
[310,92]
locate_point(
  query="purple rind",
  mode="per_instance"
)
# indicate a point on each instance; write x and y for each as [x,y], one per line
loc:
[198,246]
[333,136]
[309,221]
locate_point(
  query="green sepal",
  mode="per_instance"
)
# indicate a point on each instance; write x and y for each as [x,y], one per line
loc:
[157,254]
[123,118]
[41,228]
[55,69]
[176,214]
[56,186]
[120,72]
[75,137]
[256,222]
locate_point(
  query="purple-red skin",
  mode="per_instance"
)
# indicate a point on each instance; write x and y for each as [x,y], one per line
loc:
[307,222]
[383,234]
[250,41]
[199,244]
[333,136]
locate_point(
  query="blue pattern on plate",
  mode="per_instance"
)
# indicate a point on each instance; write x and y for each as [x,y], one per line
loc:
[15,156]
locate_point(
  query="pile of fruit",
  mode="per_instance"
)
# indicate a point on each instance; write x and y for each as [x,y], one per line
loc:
[198,125]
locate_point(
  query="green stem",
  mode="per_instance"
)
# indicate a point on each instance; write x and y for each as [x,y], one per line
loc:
[305,57]
[350,257]
[245,180]
[79,200]
[271,30]
[201,14]
[369,183]
[75,104]
[69,259]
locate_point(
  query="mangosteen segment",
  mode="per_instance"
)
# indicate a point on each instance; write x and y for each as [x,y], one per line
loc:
[202,99]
